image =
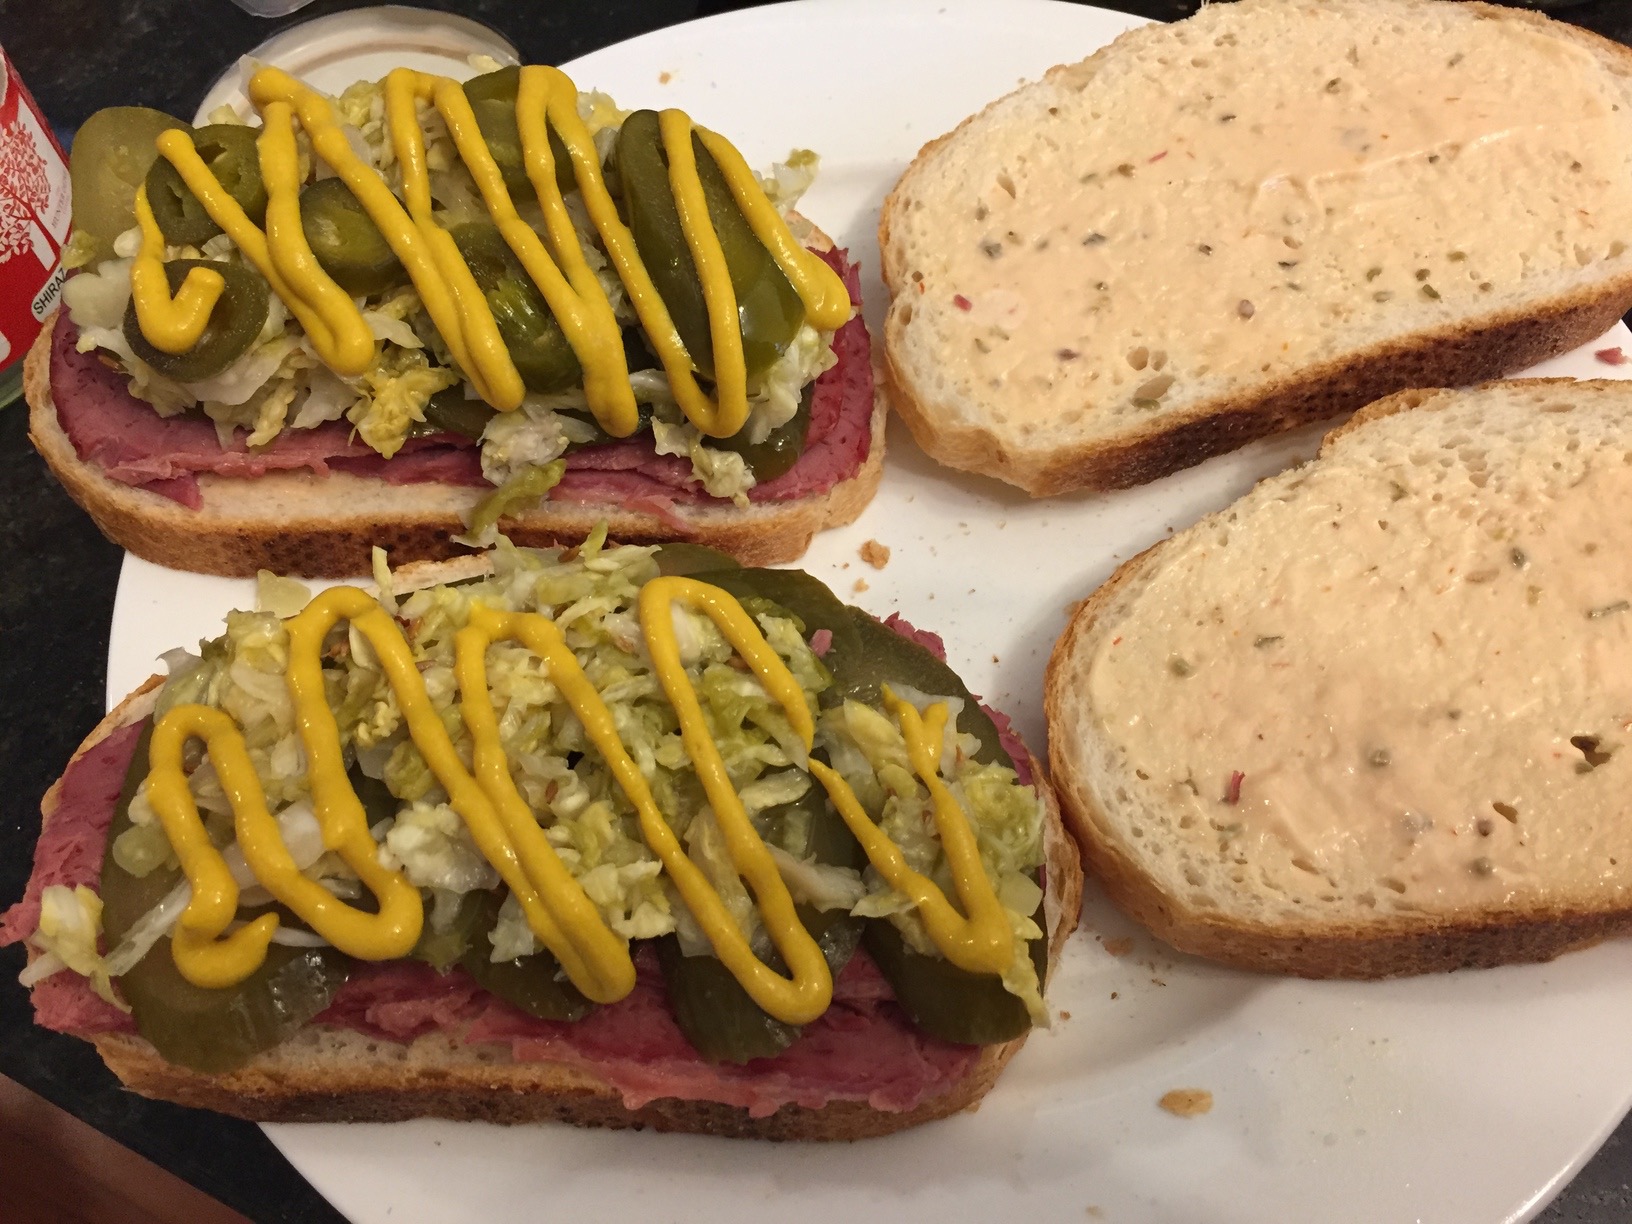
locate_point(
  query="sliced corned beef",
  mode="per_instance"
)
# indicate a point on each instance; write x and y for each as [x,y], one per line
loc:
[861,1049]
[401,1000]
[134,445]
[70,848]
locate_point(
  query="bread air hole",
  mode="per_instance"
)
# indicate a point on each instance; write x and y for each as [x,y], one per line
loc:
[1593,753]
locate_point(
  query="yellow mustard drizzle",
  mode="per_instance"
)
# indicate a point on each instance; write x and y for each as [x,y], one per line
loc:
[574,296]
[170,325]
[333,326]
[342,337]
[329,142]
[981,943]
[504,829]
[475,340]
[807,993]
[203,958]
[557,908]
[451,297]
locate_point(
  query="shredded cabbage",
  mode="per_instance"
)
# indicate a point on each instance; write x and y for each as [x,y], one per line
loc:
[70,925]
[430,844]
[280,596]
[721,473]
[789,180]
[867,748]
[532,435]
[395,390]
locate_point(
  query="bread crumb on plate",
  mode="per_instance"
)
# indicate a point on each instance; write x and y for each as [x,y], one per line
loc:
[1187,1102]
[875,554]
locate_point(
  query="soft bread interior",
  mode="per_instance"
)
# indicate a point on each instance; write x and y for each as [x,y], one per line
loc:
[1389,690]
[1269,212]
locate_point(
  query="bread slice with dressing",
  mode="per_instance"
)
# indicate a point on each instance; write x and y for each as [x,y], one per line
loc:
[1376,717]
[1268,214]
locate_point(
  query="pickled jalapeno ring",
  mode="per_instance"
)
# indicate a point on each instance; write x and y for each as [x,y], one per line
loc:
[536,343]
[234,325]
[229,150]
[345,240]
[493,101]
[452,411]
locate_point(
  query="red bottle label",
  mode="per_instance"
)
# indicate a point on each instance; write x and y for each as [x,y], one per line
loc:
[34,217]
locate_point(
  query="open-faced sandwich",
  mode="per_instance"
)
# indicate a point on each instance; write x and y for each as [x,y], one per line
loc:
[402,315]
[617,836]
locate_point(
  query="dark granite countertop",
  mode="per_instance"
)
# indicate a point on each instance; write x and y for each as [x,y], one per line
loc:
[57,574]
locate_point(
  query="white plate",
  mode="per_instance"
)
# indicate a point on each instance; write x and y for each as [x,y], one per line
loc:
[329,53]
[1469,1097]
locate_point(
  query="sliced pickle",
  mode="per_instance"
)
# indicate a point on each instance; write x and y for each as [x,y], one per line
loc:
[876,655]
[206,1030]
[684,560]
[715,1013]
[810,827]
[781,448]
[712,1008]
[112,153]
[944,1000]
[769,311]
[533,983]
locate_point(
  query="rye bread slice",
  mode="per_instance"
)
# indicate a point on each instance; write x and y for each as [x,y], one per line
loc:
[1128,266]
[1380,711]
